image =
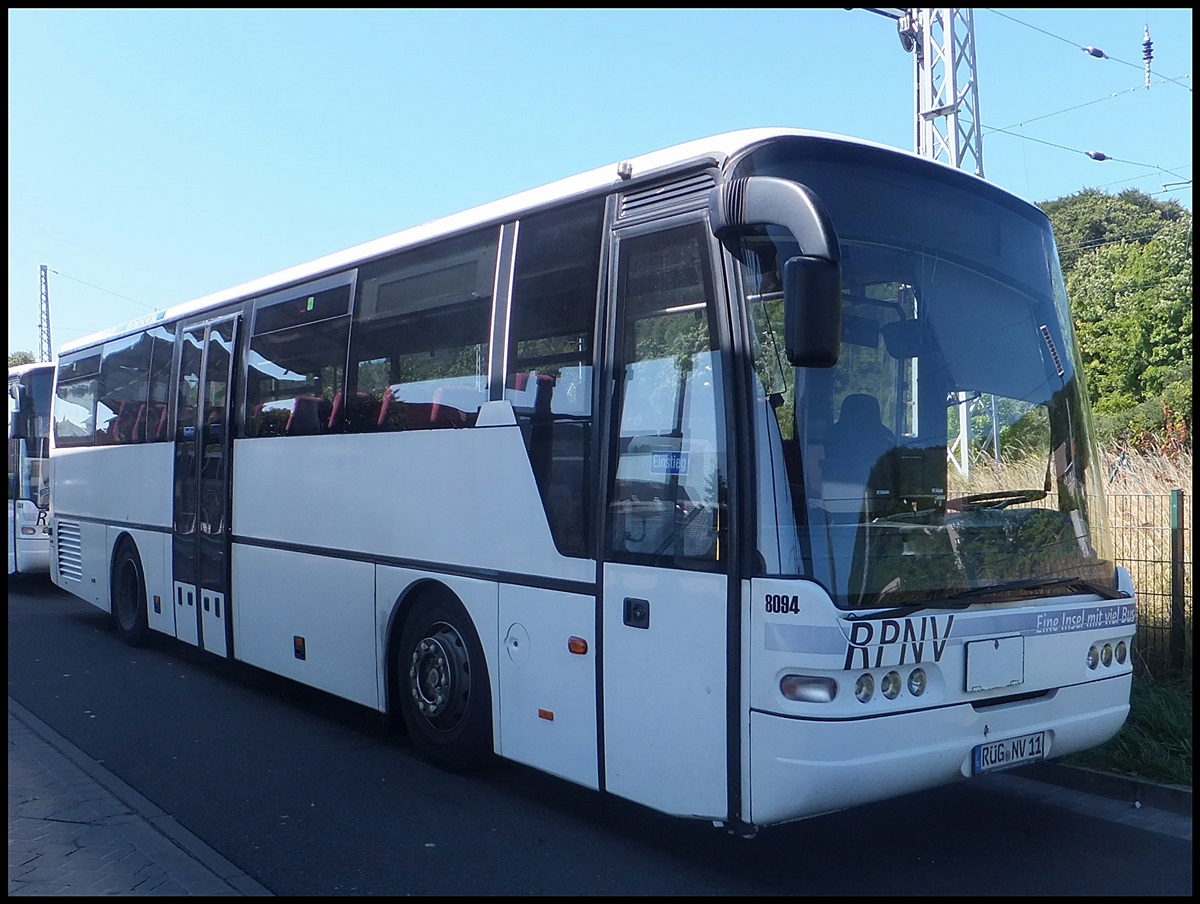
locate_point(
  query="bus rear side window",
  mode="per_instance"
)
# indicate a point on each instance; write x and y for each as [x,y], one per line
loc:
[75,402]
[123,391]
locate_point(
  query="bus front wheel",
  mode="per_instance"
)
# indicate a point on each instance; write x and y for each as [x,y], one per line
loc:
[442,684]
[129,596]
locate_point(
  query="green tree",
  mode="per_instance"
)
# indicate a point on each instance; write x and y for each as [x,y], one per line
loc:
[16,358]
[1091,219]
[1127,262]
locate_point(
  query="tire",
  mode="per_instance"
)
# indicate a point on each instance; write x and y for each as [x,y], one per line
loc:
[442,685]
[129,596]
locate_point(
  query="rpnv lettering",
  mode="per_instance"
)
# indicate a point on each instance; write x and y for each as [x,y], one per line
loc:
[893,641]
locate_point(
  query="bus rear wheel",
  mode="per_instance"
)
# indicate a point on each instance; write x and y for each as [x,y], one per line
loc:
[442,684]
[129,596]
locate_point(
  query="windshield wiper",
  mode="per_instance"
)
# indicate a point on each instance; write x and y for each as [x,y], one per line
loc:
[899,611]
[965,598]
[1075,583]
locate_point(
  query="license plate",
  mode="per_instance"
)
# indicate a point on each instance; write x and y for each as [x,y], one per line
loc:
[1005,754]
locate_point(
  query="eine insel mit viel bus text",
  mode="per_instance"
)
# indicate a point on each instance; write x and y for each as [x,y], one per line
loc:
[646,478]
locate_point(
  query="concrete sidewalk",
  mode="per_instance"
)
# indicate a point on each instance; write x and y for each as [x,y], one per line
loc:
[74,828]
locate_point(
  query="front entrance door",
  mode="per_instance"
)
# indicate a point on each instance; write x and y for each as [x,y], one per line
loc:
[200,560]
[666,544]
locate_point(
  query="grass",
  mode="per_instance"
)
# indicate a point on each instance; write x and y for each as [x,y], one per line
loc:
[1155,743]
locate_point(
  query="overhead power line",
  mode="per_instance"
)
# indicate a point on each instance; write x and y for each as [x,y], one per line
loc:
[1089,103]
[1095,155]
[1147,50]
[100,289]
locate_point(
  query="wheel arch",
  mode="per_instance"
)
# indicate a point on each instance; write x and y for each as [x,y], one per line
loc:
[419,590]
[444,691]
[123,539]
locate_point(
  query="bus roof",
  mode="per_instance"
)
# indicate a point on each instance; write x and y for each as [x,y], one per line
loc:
[19,370]
[718,147]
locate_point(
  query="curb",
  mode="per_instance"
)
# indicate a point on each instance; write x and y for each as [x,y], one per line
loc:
[144,810]
[1171,798]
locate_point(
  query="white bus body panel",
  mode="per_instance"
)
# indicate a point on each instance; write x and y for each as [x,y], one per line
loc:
[280,595]
[665,690]
[130,484]
[448,497]
[547,694]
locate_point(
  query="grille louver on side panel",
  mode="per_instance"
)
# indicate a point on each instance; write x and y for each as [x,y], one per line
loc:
[70,551]
[690,193]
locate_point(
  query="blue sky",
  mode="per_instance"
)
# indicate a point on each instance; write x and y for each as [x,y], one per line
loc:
[155,156]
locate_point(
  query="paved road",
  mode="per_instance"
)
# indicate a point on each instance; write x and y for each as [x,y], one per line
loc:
[75,828]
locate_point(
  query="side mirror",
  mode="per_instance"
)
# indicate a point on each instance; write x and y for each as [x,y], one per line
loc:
[812,299]
[18,413]
[812,281]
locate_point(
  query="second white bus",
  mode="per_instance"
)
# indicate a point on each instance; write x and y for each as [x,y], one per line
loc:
[30,389]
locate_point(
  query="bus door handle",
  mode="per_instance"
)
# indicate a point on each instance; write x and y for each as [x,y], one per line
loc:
[637,613]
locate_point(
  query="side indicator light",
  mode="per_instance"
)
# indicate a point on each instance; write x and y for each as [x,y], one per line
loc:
[577,645]
[547,714]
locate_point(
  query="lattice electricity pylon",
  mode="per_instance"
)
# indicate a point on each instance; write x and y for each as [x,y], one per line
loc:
[45,349]
[947,125]
[947,128]
[945,83]
[978,430]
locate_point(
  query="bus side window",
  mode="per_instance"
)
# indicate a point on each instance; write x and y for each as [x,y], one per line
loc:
[421,331]
[298,367]
[550,360]
[124,388]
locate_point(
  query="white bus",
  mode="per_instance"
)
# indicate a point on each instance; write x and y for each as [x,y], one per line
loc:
[641,478]
[30,388]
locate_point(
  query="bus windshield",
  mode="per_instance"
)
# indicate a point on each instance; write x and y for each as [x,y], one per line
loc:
[949,451]
[30,389]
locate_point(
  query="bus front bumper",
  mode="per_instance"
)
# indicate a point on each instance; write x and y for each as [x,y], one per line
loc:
[804,767]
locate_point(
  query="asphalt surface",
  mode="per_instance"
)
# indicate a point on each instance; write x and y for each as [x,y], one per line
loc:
[74,828]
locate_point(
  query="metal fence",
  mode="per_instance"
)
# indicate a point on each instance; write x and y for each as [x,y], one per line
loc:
[1152,535]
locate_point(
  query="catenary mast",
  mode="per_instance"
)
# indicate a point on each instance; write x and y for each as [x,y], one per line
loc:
[45,349]
[947,128]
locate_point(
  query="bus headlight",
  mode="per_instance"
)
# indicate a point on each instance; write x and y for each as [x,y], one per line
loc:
[891,685]
[1106,654]
[864,687]
[1093,658]
[916,682]
[808,688]
[1122,652]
